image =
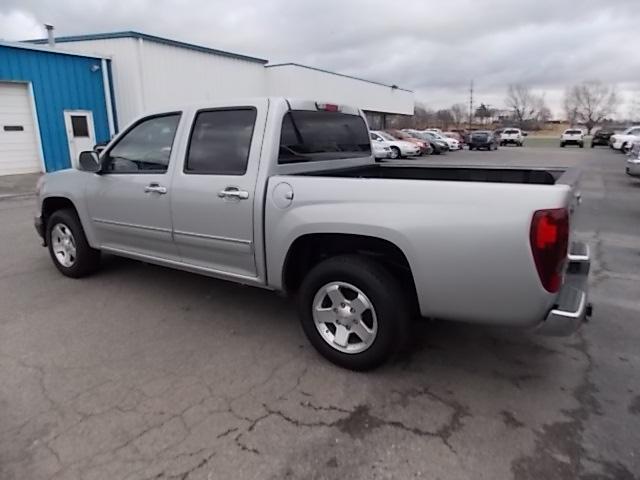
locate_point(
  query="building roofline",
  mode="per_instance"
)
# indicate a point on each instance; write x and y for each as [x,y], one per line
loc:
[47,49]
[151,38]
[292,64]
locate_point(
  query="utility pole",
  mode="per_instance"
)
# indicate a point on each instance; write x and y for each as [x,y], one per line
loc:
[470,104]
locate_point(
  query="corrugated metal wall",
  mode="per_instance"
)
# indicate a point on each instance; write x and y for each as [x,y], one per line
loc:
[152,76]
[125,69]
[175,76]
[60,82]
[302,82]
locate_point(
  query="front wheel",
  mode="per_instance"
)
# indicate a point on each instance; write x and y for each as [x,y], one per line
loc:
[68,247]
[395,153]
[353,311]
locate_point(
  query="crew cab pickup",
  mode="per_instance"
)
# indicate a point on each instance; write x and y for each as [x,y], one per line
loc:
[286,195]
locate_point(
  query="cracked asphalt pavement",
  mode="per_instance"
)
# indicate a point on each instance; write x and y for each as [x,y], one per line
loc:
[141,372]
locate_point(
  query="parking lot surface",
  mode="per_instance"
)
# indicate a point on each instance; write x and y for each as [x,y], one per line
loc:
[141,372]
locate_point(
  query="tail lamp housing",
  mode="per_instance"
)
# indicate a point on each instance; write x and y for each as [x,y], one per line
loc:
[549,238]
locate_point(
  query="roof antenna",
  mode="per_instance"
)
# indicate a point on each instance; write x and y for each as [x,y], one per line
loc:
[51,39]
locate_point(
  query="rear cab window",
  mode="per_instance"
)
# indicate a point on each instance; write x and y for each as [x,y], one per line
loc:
[309,136]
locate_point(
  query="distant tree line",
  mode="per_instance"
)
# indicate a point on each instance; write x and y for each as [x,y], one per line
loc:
[588,104]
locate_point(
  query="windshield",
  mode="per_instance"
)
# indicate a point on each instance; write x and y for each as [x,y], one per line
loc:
[387,137]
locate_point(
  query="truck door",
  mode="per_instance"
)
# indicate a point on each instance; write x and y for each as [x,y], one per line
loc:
[214,191]
[129,201]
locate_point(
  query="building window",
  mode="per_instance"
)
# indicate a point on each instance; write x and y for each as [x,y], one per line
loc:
[79,125]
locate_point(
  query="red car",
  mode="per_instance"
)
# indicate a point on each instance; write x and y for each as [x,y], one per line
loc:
[400,135]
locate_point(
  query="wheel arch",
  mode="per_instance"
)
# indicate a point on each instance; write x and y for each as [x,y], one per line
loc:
[54,203]
[309,249]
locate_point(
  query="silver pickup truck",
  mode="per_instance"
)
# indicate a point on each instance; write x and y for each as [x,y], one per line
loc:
[286,195]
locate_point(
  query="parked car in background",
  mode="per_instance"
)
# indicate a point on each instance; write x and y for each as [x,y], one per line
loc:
[633,162]
[381,149]
[400,135]
[463,133]
[452,143]
[437,143]
[512,136]
[602,137]
[399,148]
[420,136]
[572,136]
[455,136]
[483,139]
[361,246]
[624,141]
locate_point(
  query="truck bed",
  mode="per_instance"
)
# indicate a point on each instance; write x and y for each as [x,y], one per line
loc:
[454,173]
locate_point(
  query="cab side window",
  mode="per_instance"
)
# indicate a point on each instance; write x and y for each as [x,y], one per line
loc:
[145,148]
[220,142]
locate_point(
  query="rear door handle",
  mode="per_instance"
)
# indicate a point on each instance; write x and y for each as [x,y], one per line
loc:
[233,192]
[155,188]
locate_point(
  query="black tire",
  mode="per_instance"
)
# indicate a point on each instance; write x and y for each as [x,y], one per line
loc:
[581,145]
[561,145]
[385,295]
[87,259]
[395,153]
[470,147]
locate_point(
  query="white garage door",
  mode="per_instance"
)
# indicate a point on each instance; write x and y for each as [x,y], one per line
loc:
[18,142]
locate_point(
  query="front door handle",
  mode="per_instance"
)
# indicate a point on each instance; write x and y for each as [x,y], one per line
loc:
[155,188]
[234,193]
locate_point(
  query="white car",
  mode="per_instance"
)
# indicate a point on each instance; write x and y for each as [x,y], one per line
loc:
[512,135]
[572,136]
[381,149]
[399,148]
[633,162]
[451,142]
[624,141]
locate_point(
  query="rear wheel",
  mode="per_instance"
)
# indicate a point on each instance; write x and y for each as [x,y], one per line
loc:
[68,247]
[353,311]
[395,153]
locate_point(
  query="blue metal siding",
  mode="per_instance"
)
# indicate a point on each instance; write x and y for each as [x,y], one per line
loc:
[60,82]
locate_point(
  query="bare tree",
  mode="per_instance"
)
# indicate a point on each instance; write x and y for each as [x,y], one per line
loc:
[523,103]
[634,108]
[445,118]
[592,101]
[458,113]
[570,108]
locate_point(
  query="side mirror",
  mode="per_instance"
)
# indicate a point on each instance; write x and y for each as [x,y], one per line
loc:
[525,134]
[89,162]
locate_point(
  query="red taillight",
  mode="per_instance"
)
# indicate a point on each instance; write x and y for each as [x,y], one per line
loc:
[328,107]
[549,239]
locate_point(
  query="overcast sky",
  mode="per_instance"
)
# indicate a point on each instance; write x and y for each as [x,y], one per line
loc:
[432,47]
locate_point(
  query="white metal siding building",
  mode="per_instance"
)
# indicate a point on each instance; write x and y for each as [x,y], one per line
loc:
[300,81]
[152,73]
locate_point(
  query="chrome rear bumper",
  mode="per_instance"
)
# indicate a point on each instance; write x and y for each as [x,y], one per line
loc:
[572,307]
